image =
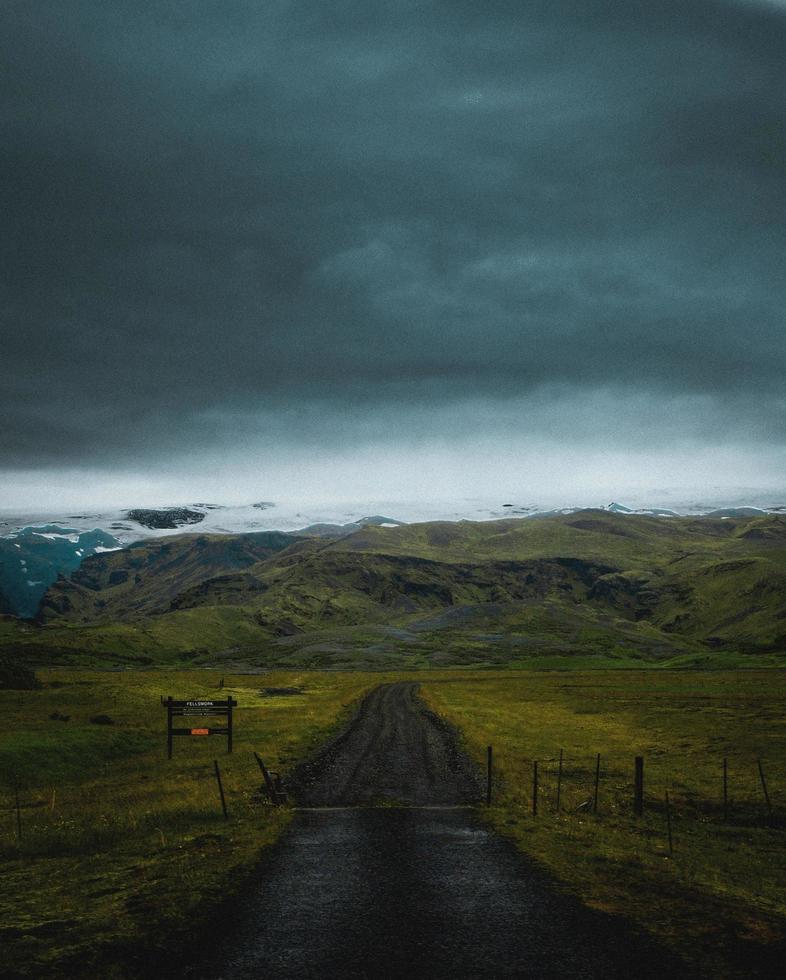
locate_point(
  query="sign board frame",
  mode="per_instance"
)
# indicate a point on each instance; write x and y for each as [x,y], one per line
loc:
[199,709]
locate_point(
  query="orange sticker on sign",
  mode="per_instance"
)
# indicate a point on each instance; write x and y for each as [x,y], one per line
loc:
[200,731]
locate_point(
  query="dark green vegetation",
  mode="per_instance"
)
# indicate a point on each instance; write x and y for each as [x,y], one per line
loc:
[155,577]
[610,589]
[720,898]
[124,854]
[16,676]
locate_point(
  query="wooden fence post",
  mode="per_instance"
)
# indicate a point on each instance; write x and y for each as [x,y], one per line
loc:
[271,789]
[534,789]
[221,790]
[597,781]
[764,789]
[168,704]
[668,822]
[638,789]
[18,814]
[559,780]
[489,763]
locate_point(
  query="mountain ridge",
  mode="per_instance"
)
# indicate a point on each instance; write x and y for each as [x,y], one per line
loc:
[586,583]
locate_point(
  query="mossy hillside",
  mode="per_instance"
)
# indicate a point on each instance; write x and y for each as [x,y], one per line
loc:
[16,676]
[510,634]
[720,898]
[592,584]
[592,535]
[147,577]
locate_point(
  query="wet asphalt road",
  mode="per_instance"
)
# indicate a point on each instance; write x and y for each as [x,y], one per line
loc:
[409,892]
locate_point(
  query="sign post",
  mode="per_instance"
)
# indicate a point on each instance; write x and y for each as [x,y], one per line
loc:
[199,710]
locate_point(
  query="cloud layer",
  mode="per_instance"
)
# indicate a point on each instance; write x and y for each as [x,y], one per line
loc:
[240,227]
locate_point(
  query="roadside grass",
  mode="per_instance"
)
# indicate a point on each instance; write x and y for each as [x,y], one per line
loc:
[125,854]
[123,851]
[720,898]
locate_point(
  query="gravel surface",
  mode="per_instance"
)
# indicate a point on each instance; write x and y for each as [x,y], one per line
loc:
[394,751]
[410,893]
[414,891]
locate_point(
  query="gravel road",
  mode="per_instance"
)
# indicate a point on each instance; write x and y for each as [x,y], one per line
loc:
[423,890]
[395,751]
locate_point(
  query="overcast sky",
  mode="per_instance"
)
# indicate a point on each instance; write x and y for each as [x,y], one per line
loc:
[256,248]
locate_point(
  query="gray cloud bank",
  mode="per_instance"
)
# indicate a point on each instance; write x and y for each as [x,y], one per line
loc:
[291,224]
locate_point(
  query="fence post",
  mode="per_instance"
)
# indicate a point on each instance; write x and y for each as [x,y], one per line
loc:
[18,814]
[168,704]
[764,788]
[668,822]
[725,790]
[597,781]
[638,789]
[534,789]
[221,790]
[489,763]
[269,784]
[559,780]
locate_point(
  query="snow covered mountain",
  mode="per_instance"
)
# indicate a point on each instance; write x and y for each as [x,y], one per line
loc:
[134,524]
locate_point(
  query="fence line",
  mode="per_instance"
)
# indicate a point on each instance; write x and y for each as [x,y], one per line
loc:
[737,791]
[747,789]
[73,818]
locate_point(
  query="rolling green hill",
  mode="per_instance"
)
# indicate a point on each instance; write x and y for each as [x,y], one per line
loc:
[606,587]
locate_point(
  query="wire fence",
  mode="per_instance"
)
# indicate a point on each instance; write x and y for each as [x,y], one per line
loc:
[741,791]
[738,791]
[71,818]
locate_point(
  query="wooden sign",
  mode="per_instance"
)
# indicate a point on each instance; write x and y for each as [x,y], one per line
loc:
[198,708]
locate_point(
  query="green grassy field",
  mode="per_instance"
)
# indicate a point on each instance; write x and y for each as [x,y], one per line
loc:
[123,851]
[720,897]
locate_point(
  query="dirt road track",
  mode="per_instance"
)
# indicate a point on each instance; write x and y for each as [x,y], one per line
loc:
[424,891]
[395,750]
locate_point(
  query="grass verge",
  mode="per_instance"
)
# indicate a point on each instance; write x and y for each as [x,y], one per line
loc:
[719,899]
[123,851]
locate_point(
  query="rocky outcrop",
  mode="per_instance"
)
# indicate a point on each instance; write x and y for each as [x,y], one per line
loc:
[172,517]
[632,595]
[222,590]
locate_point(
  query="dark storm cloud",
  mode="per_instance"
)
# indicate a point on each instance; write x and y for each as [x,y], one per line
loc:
[232,210]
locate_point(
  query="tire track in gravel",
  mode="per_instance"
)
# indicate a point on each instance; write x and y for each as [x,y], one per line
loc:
[394,751]
[424,890]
